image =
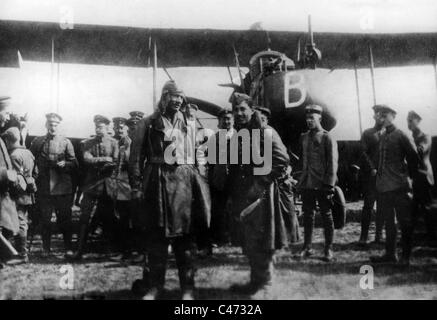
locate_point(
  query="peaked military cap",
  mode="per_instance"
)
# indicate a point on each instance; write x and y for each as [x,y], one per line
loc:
[384,108]
[313,108]
[224,112]
[136,114]
[238,98]
[118,121]
[53,117]
[414,115]
[263,110]
[101,119]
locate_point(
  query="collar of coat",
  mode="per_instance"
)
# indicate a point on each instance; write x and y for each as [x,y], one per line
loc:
[157,121]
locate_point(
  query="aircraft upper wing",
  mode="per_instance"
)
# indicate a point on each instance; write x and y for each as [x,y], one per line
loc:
[125,46]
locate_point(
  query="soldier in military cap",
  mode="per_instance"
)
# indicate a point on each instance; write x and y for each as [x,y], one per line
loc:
[264,115]
[220,182]
[422,187]
[168,185]
[23,162]
[369,164]
[55,160]
[7,119]
[122,190]
[318,178]
[100,155]
[397,163]
[131,123]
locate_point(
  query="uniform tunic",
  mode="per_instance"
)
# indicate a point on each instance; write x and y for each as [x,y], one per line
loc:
[97,179]
[48,150]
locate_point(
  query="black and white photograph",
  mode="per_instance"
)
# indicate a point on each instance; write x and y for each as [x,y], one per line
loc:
[220,150]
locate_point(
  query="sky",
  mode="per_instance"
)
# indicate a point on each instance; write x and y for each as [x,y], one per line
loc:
[368,16]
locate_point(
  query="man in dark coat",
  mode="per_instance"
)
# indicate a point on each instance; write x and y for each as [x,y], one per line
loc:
[55,160]
[23,162]
[397,165]
[369,164]
[220,183]
[422,187]
[255,194]
[122,190]
[100,155]
[176,209]
[317,181]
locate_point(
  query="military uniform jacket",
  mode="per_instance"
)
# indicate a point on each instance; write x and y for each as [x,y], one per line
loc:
[99,174]
[48,150]
[23,162]
[120,179]
[320,160]
[423,144]
[8,210]
[398,161]
[369,148]
[174,199]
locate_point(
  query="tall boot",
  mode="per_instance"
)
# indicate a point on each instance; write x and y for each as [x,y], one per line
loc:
[83,235]
[365,224]
[308,225]
[46,240]
[406,240]
[328,229]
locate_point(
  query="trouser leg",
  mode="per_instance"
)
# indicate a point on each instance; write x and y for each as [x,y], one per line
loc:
[46,210]
[124,231]
[366,215]
[109,222]
[379,223]
[385,201]
[403,207]
[325,205]
[88,207]
[157,253]
[308,207]
[184,254]
[21,238]
[63,205]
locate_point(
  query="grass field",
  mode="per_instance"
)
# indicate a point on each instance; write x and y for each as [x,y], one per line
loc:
[97,277]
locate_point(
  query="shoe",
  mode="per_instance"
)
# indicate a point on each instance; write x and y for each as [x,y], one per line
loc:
[265,292]
[139,258]
[247,288]
[329,256]
[152,294]
[76,256]
[384,259]
[69,254]
[188,294]
[306,253]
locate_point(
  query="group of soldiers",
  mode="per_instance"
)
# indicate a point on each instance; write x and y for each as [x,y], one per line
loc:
[146,202]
